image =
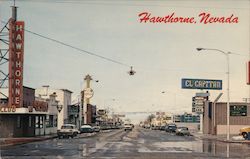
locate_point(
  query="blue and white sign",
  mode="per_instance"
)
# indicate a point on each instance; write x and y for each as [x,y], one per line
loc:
[201,84]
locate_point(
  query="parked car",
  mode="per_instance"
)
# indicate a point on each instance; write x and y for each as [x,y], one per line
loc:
[86,129]
[171,128]
[182,131]
[155,127]
[147,126]
[96,128]
[128,127]
[114,127]
[163,128]
[244,132]
[105,127]
[67,130]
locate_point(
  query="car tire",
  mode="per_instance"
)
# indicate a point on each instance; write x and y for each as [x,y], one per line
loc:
[244,134]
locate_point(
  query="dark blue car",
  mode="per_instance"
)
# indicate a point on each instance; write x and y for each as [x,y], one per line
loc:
[171,128]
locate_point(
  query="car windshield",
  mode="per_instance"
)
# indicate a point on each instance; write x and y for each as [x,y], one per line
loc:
[184,128]
[67,127]
[124,79]
[172,126]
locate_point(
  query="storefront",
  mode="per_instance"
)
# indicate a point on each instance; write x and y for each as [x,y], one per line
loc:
[215,117]
[20,123]
[23,121]
[73,115]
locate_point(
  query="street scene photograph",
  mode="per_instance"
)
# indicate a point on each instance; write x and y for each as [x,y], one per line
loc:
[124,79]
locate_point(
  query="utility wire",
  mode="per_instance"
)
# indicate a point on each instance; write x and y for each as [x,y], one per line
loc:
[134,3]
[73,47]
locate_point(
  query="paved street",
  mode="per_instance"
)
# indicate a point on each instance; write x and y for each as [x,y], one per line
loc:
[139,143]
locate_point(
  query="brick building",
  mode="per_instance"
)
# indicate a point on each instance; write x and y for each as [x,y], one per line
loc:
[21,121]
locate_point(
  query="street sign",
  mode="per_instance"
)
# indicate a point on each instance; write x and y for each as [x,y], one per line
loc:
[101,112]
[88,93]
[201,84]
[202,94]
[198,104]
[199,109]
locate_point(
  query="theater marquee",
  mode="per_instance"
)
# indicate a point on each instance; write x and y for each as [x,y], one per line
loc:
[16,55]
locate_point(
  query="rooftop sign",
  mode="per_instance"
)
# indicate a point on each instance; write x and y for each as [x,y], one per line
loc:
[201,84]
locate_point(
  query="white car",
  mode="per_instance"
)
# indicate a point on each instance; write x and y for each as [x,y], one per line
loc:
[182,131]
[128,127]
[67,130]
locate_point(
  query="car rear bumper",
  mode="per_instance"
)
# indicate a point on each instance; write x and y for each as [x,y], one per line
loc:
[65,133]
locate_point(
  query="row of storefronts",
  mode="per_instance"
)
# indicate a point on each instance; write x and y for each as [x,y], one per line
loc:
[41,115]
[26,111]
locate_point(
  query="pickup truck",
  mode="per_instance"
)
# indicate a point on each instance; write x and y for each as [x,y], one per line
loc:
[67,130]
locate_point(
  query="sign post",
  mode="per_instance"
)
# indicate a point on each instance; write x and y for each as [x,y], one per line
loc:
[200,98]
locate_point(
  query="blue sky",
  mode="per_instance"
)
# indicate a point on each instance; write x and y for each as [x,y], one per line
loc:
[161,54]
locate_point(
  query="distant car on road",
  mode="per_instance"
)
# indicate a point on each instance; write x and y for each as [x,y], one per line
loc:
[162,128]
[182,131]
[128,127]
[86,129]
[96,128]
[171,128]
[147,126]
[67,130]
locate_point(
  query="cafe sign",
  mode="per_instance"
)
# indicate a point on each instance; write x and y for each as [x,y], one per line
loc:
[5,109]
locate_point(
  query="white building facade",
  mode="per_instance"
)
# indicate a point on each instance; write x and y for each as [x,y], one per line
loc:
[51,118]
[63,97]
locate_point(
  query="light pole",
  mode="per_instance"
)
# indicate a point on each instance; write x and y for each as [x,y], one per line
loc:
[174,102]
[228,86]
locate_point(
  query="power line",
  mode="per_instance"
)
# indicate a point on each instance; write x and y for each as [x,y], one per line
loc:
[132,3]
[73,47]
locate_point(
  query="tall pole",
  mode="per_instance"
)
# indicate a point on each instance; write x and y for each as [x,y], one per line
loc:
[228,97]
[228,86]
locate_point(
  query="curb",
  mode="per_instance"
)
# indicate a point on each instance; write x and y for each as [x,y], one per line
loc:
[223,140]
[21,141]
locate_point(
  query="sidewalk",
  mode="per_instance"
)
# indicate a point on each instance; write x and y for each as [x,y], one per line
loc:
[4,142]
[221,138]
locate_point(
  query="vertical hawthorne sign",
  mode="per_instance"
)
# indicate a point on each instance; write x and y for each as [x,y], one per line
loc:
[16,51]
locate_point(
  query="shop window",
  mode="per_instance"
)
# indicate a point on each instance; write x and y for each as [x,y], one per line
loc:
[46,118]
[55,122]
[41,122]
[30,121]
[51,119]
[18,121]
[37,122]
